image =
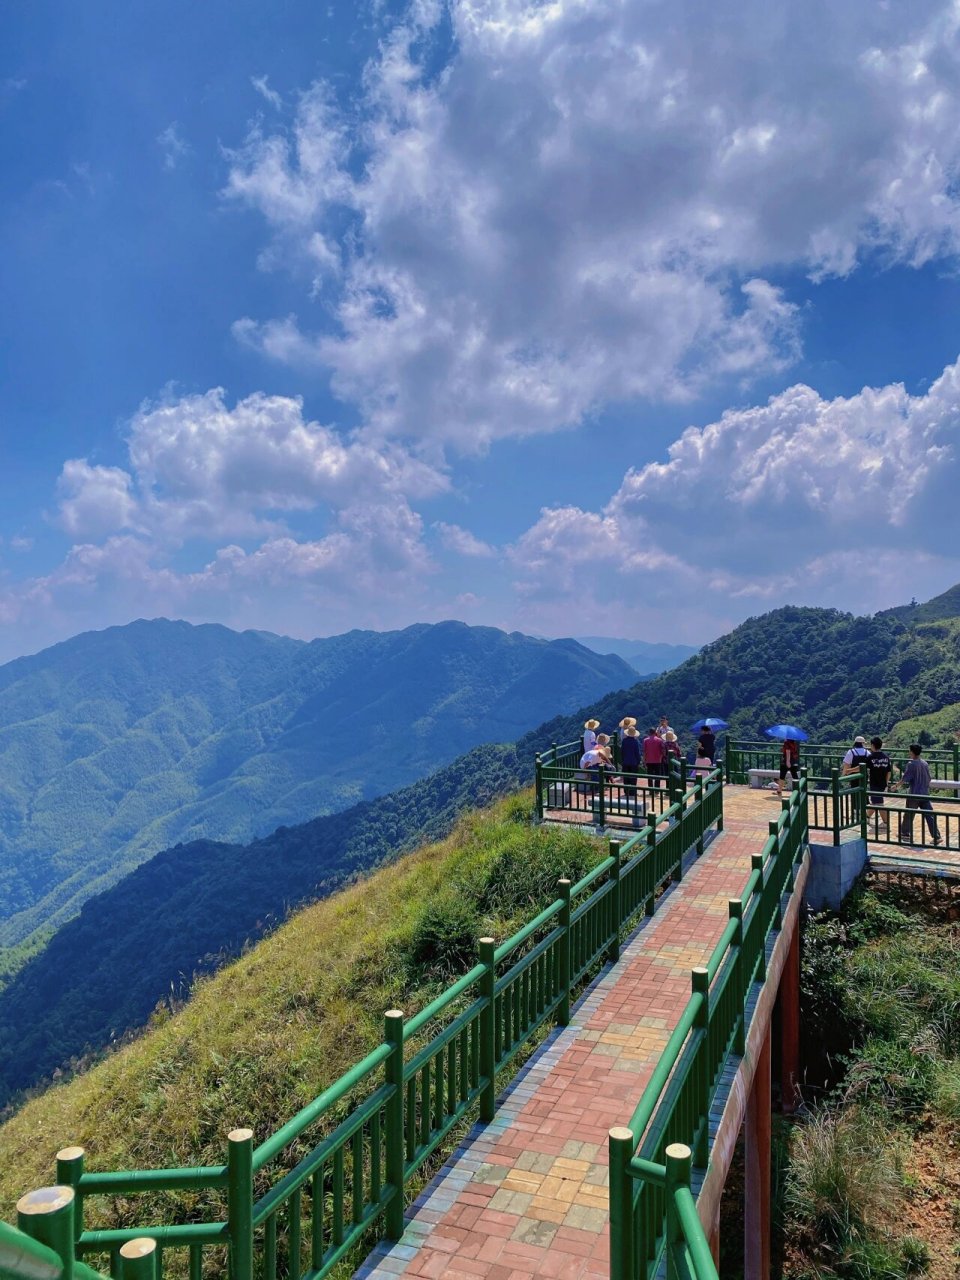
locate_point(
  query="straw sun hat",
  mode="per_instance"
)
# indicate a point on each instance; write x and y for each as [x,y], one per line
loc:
[627,722]
[592,724]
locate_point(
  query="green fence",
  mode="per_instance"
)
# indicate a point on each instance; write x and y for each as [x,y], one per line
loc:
[652,1209]
[838,804]
[369,1134]
[821,759]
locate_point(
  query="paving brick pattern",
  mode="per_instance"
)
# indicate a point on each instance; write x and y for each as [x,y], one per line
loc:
[526,1195]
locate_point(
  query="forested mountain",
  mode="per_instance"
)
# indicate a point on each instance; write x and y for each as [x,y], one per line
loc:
[945,605]
[192,907]
[832,673]
[123,742]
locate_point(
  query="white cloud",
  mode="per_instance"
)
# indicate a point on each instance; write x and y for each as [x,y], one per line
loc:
[172,146]
[199,468]
[95,500]
[269,95]
[588,204]
[462,542]
[846,502]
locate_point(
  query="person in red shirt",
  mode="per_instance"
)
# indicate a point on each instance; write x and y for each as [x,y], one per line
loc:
[789,761]
[654,757]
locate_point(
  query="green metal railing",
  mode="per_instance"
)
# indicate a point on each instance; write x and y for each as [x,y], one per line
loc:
[652,1209]
[367,1135]
[821,759]
[603,795]
[838,804]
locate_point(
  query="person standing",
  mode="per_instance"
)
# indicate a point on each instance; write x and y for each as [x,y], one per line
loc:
[653,756]
[879,773]
[856,756]
[916,781]
[707,744]
[590,734]
[663,728]
[630,761]
[789,762]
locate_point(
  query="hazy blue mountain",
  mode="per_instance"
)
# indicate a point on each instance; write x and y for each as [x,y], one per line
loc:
[646,658]
[119,743]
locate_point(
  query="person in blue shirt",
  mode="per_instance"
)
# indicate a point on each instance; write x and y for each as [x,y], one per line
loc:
[916,780]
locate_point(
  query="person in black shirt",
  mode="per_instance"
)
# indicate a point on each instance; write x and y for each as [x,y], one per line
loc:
[879,772]
[708,744]
[630,761]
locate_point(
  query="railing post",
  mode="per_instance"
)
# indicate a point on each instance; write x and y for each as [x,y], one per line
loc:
[488,1048]
[650,839]
[564,947]
[601,804]
[138,1259]
[835,788]
[698,790]
[616,899]
[735,908]
[69,1172]
[683,773]
[240,1202]
[756,864]
[46,1215]
[620,1143]
[700,985]
[393,1122]
[863,803]
[538,769]
[678,1160]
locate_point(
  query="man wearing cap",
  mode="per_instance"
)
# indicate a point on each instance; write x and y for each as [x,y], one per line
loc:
[856,756]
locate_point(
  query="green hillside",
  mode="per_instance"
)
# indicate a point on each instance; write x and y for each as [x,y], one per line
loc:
[268,1032]
[945,605]
[834,673]
[120,743]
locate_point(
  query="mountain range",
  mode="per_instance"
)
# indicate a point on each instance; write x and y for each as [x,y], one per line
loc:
[120,743]
[192,907]
[646,658]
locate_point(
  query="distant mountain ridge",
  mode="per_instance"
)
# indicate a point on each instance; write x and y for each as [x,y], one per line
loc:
[644,656]
[119,743]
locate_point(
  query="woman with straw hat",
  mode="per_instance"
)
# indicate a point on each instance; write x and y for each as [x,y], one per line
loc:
[590,734]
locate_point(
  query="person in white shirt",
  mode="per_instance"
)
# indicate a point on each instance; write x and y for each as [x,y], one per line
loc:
[858,754]
[590,734]
[663,728]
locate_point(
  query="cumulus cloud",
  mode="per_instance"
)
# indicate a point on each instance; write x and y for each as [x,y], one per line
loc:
[832,501]
[589,204]
[462,542]
[201,468]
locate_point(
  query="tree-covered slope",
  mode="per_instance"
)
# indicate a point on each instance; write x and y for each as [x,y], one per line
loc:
[120,743]
[832,673]
[945,605]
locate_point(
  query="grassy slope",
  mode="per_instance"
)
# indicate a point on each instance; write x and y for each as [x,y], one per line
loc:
[267,1033]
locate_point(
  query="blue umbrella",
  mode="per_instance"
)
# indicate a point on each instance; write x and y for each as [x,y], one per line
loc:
[787,731]
[711,722]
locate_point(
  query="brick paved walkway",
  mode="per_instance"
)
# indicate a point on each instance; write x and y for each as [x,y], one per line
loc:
[526,1195]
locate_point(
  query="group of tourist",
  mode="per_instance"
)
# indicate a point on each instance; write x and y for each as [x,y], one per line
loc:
[915,780]
[651,754]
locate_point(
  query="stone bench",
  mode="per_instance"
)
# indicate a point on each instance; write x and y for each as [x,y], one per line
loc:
[758,776]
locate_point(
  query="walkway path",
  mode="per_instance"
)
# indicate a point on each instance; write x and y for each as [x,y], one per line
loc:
[526,1195]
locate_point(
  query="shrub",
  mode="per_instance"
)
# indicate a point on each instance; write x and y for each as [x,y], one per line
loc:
[843,1178]
[444,940]
[900,1077]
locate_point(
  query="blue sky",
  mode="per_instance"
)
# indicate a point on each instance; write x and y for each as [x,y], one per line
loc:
[566,317]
